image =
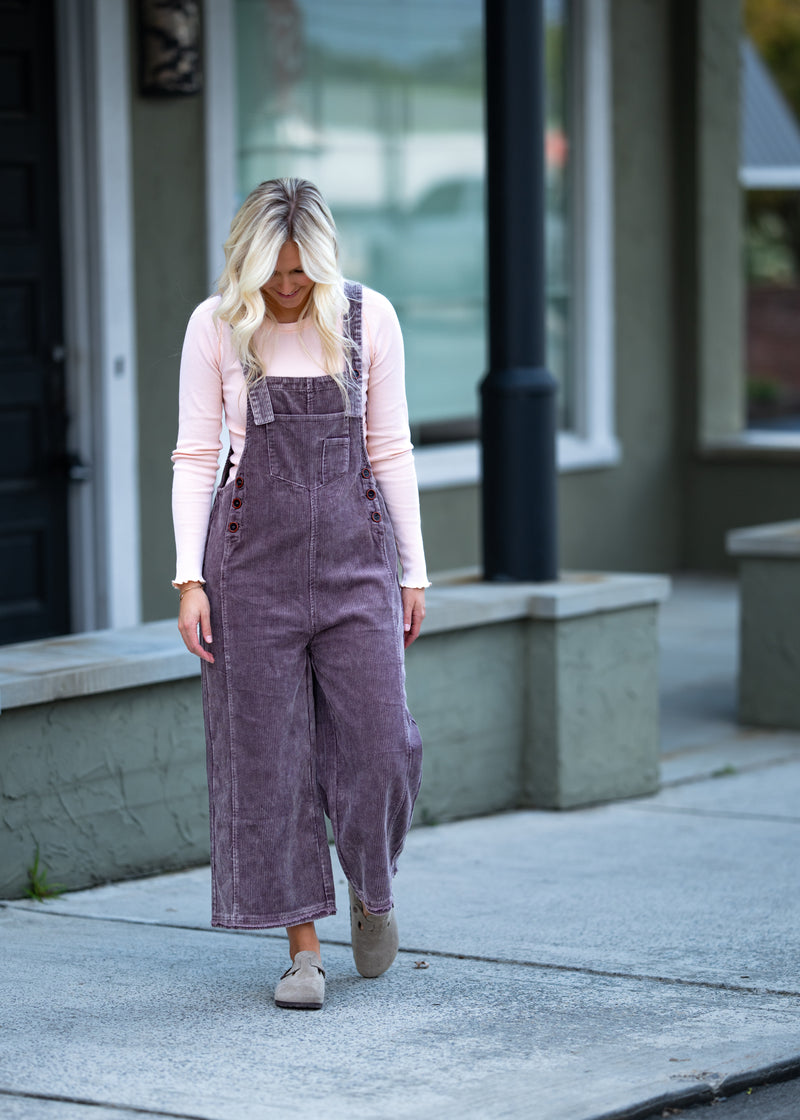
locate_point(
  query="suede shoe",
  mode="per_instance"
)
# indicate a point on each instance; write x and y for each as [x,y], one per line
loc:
[302,987]
[375,938]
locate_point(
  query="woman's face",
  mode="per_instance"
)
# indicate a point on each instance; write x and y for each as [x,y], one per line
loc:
[287,290]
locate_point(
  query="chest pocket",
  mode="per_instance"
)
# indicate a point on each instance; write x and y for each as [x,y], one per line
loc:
[306,450]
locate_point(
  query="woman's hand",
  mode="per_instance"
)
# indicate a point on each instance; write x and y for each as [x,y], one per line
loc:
[195,612]
[413,613]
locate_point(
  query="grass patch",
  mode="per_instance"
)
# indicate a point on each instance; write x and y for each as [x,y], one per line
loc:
[39,888]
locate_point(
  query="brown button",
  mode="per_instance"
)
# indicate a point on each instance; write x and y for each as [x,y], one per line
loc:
[239,482]
[366,472]
[375,516]
[237,503]
[234,526]
[370,493]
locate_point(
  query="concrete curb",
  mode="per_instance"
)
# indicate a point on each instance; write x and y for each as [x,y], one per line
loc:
[731,1086]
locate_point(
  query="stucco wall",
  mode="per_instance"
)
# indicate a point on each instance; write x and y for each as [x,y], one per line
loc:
[107,787]
[170,263]
[625,517]
[451,527]
[734,494]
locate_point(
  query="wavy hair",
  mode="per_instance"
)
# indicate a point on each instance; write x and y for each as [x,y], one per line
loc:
[277,211]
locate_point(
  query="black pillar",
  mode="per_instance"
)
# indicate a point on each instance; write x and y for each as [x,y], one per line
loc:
[518,394]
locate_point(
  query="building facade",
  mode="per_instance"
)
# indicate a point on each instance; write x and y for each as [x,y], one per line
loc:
[117,219]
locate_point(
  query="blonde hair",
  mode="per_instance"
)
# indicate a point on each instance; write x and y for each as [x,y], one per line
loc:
[277,211]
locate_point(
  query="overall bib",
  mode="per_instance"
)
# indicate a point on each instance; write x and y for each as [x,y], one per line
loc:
[305,707]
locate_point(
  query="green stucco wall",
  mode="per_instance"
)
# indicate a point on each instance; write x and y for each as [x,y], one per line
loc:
[107,786]
[170,267]
[625,517]
[734,493]
[451,527]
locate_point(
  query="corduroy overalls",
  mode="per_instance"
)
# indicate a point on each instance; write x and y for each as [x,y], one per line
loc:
[305,706]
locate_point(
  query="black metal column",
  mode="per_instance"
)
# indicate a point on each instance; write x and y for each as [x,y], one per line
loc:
[518,394]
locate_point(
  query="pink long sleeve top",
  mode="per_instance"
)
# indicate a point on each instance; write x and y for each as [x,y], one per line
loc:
[212,388]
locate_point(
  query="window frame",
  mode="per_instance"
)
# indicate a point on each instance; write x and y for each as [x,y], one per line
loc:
[97,237]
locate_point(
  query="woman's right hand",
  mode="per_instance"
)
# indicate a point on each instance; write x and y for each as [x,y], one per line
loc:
[195,616]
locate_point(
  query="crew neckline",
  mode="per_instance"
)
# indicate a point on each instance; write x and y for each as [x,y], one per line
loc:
[300,324]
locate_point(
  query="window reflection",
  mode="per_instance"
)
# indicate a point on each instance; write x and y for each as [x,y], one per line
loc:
[381,104]
[770,174]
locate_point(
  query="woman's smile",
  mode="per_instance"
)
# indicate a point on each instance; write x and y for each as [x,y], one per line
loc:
[288,289]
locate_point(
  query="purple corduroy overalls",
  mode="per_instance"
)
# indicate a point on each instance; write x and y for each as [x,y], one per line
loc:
[305,706]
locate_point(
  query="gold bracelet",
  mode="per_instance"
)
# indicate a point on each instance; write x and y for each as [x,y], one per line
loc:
[186,590]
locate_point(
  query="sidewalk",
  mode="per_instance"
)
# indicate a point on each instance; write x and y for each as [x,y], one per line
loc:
[597,963]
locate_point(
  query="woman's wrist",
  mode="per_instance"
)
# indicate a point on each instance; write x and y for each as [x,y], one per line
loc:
[190,585]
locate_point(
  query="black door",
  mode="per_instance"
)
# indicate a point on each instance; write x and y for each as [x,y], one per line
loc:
[34,580]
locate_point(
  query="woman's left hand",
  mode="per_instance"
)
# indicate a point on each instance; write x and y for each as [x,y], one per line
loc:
[413,613]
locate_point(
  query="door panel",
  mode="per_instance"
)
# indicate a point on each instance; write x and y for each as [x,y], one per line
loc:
[34,581]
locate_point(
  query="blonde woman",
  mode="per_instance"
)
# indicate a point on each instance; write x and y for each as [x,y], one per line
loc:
[289,590]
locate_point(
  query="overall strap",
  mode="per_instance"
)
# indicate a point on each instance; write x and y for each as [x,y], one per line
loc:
[260,401]
[351,326]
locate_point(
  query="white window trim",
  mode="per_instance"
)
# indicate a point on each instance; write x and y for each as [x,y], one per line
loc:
[753,443]
[220,130]
[99,309]
[770,178]
[592,443]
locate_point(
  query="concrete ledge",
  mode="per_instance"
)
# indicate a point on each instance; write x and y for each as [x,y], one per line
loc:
[461,599]
[94,662]
[782,538]
[153,653]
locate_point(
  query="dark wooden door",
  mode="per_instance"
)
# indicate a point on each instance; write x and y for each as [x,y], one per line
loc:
[34,580]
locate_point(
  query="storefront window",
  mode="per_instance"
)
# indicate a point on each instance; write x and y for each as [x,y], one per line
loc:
[381,105]
[771,179]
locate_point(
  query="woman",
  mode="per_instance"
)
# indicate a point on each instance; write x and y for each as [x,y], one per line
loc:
[288,589]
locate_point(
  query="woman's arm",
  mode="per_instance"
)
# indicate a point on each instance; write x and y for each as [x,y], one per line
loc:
[195,460]
[388,437]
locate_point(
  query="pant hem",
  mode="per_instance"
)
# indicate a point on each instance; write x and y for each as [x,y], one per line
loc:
[265,921]
[383,907]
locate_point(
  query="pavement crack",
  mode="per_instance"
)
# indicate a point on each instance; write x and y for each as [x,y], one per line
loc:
[443,954]
[792,756]
[87,1102]
[725,814]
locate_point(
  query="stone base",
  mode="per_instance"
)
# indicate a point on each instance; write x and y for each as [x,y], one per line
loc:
[538,695]
[769,628]
[593,713]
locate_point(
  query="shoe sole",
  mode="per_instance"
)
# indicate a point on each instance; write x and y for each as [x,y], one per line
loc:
[298,1006]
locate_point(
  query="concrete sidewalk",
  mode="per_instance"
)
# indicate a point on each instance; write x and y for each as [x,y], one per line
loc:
[554,966]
